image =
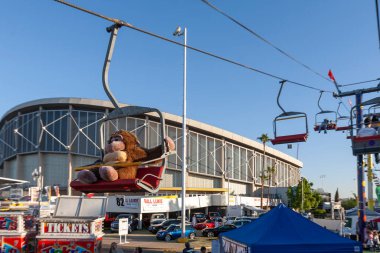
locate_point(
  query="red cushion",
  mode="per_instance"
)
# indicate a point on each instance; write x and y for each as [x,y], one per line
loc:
[121,185]
[289,139]
[343,128]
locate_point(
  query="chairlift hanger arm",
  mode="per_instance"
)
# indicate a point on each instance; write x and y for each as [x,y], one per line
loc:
[279,94]
[107,62]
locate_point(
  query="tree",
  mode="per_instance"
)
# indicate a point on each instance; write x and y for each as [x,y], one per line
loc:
[311,198]
[349,203]
[264,139]
[336,198]
[271,171]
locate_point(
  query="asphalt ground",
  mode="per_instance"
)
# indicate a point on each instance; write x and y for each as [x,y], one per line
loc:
[148,242]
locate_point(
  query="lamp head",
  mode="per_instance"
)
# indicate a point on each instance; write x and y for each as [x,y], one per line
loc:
[178,31]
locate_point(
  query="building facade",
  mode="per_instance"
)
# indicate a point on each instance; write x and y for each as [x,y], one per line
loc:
[60,134]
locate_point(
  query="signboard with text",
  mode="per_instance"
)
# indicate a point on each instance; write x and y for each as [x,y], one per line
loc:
[123,226]
[69,246]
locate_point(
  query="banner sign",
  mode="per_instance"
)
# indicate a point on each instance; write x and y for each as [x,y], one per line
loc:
[8,223]
[13,244]
[66,228]
[154,204]
[67,246]
[231,246]
[131,203]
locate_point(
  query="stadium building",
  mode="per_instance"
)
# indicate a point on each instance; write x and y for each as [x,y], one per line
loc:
[60,134]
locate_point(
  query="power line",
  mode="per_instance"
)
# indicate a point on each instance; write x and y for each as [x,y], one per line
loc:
[264,40]
[123,23]
[377,18]
[369,81]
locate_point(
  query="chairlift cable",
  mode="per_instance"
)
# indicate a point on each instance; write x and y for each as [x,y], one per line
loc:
[264,40]
[351,84]
[123,23]
[378,19]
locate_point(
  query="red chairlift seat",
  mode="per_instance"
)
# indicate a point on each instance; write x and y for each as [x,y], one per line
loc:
[147,179]
[288,115]
[365,145]
[330,126]
[289,139]
[342,128]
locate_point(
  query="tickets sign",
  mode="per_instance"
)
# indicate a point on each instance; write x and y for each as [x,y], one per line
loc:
[66,228]
[67,246]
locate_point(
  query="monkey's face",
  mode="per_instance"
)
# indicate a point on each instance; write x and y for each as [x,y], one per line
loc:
[115,143]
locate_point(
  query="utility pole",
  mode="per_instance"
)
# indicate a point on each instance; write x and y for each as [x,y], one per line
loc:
[370,183]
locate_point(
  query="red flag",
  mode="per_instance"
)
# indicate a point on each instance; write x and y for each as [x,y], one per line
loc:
[331,75]
[90,195]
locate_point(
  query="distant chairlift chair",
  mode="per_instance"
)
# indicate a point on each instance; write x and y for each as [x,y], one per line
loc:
[286,139]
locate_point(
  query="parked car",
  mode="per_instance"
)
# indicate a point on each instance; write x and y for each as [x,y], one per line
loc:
[155,223]
[205,224]
[174,231]
[201,217]
[164,225]
[247,218]
[212,232]
[108,219]
[156,216]
[132,223]
[240,223]
[229,219]
[213,215]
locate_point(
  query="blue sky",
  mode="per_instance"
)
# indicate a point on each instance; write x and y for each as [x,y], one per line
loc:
[50,50]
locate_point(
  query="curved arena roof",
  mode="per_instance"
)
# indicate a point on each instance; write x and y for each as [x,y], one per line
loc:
[96,104]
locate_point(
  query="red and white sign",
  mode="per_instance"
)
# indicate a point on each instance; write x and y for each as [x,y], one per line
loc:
[154,204]
[69,228]
[68,246]
[14,244]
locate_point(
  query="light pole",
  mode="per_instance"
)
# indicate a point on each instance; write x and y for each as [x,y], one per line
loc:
[302,194]
[228,180]
[178,32]
[37,176]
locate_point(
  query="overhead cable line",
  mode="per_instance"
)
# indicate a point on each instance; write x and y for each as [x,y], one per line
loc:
[123,23]
[265,40]
[378,19]
[369,81]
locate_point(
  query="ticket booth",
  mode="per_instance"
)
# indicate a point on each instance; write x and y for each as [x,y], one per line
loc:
[17,232]
[76,226]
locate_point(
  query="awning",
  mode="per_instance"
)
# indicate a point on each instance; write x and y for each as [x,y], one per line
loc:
[8,181]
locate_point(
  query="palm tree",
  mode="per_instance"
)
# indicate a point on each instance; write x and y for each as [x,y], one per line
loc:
[264,139]
[270,172]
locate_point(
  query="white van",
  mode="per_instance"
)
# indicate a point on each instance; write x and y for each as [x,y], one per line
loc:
[156,216]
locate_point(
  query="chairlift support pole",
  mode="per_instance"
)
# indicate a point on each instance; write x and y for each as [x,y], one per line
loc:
[360,171]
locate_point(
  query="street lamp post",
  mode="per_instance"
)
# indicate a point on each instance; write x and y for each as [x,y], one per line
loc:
[37,176]
[178,32]
[302,194]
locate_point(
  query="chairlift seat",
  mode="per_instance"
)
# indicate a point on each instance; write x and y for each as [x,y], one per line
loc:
[289,139]
[329,127]
[342,128]
[147,179]
[365,145]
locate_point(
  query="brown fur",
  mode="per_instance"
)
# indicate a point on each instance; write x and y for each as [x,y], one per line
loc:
[135,153]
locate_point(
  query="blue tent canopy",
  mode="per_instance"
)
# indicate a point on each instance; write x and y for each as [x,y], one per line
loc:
[283,230]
